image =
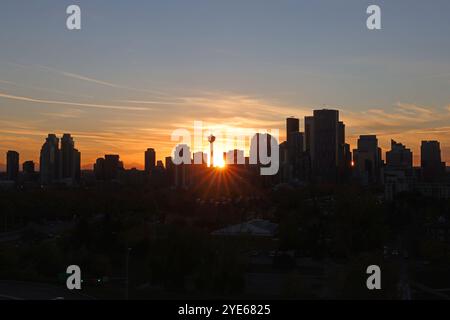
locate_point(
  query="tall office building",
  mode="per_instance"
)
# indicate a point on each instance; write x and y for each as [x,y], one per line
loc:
[168,163]
[344,154]
[341,142]
[235,157]
[28,167]
[67,156]
[12,165]
[170,171]
[182,171]
[341,133]
[77,166]
[112,165]
[150,160]
[326,145]
[99,169]
[296,157]
[399,157]
[29,174]
[433,169]
[50,160]
[367,160]
[293,168]
[70,160]
[292,126]
[108,168]
[200,158]
[309,136]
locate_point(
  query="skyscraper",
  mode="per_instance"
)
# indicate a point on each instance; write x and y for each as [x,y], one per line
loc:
[170,171]
[431,163]
[344,154]
[309,136]
[112,165]
[292,126]
[295,156]
[235,157]
[150,160]
[50,160]
[107,168]
[200,158]
[325,163]
[28,167]
[399,157]
[182,171]
[67,156]
[12,165]
[367,160]
[77,166]
[70,160]
[99,169]
[29,172]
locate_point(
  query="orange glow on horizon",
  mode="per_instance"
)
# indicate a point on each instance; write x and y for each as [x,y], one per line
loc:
[220,164]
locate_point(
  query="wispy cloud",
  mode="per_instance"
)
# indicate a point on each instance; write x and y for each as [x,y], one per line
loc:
[153,102]
[67,103]
[400,116]
[64,114]
[98,82]
[35,88]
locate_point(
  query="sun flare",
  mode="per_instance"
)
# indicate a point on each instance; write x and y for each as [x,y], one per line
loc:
[220,163]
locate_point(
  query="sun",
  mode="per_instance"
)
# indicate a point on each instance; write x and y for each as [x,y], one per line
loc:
[220,164]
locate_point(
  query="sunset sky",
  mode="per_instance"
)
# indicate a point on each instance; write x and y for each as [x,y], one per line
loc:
[140,69]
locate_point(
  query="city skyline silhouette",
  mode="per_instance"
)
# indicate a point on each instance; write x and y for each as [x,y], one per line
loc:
[85,165]
[240,65]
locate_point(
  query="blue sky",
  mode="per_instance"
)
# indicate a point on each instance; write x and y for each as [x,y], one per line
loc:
[139,69]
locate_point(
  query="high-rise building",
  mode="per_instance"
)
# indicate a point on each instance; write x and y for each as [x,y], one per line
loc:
[108,168]
[77,166]
[326,145]
[367,160]
[235,157]
[70,160]
[150,160]
[292,126]
[399,157]
[67,156]
[341,144]
[433,169]
[112,166]
[309,136]
[344,155]
[50,160]
[168,163]
[99,169]
[12,165]
[296,156]
[294,150]
[200,158]
[28,167]
[182,171]
[170,170]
